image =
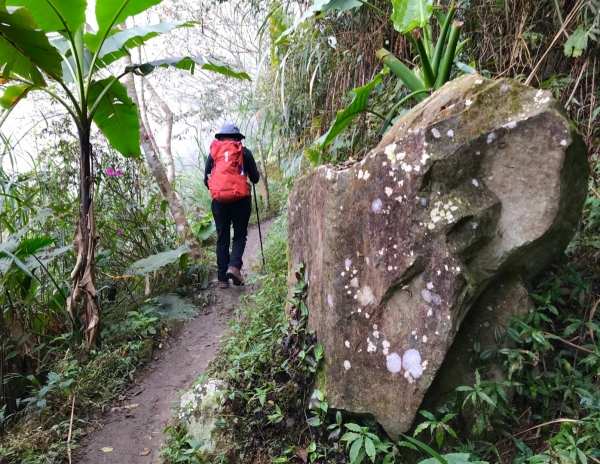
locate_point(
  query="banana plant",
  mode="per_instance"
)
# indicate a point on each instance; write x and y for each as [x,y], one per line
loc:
[412,19]
[43,47]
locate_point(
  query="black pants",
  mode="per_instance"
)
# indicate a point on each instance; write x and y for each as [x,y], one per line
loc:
[225,214]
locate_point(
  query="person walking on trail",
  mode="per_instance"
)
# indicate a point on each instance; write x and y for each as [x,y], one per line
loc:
[228,166]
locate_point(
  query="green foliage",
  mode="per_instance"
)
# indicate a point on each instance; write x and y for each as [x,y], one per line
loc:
[345,117]
[438,428]
[157,261]
[362,443]
[410,14]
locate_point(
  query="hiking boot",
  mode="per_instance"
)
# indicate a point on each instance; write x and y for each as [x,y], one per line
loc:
[223,284]
[234,274]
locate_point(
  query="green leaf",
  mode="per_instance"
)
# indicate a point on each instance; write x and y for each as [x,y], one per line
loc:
[13,94]
[189,63]
[55,15]
[116,45]
[428,415]
[577,43]
[24,48]
[409,14]
[453,458]
[370,449]
[341,5]
[355,449]
[154,262]
[346,116]
[427,448]
[116,116]
[354,427]
[350,436]
[512,333]
[112,12]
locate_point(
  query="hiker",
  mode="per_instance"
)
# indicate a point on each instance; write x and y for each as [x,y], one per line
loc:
[228,166]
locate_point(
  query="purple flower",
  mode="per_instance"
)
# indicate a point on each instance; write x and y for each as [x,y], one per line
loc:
[150,136]
[119,232]
[136,182]
[101,133]
[110,172]
[99,215]
[118,173]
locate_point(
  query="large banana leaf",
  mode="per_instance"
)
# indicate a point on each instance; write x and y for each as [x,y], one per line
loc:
[54,15]
[189,63]
[117,116]
[24,47]
[346,116]
[116,45]
[13,94]
[409,14]
[112,12]
[130,38]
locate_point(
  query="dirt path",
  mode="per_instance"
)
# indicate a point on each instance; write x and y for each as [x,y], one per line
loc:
[135,434]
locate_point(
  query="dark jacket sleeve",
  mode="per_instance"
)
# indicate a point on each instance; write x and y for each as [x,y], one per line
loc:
[250,166]
[208,167]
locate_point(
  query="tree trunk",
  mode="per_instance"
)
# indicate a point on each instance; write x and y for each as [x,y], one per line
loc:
[168,118]
[86,235]
[151,153]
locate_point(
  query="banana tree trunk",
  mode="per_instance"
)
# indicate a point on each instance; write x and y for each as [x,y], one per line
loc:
[151,153]
[86,235]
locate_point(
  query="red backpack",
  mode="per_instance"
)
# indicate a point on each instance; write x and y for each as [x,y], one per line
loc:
[227,182]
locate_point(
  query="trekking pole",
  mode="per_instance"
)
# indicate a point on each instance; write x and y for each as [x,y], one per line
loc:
[258,221]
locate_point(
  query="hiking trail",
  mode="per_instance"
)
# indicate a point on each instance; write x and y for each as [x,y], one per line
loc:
[132,425]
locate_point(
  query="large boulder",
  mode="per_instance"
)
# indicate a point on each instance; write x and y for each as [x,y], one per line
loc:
[483,179]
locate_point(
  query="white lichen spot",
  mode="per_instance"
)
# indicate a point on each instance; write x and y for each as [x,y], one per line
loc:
[354,272]
[347,263]
[431,226]
[342,273]
[375,327]
[491,137]
[393,363]
[180,227]
[412,363]
[377,206]
[424,339]
[417,168]
[330,301]
[457,269]
[361,174]
[475,183]
[388,191]
[450,133]
[436,299]
[424,158]
[386,347]
[426,294]
[510,125]
[390,150]
[376,333]
[406,167]
[563,143]
[474,225]
[389,268]
[367,260]
[354,282]
[347,365]
[384,164]
[365,296]
[367,315]
[371,348]
[430,285]
[479,81]
[436,133]
[398,199]
[430,312]
[347,344]
[468,102]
